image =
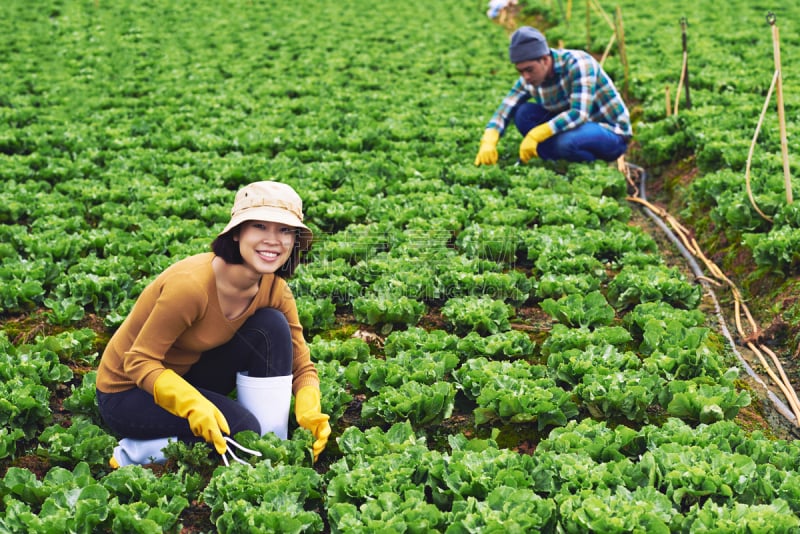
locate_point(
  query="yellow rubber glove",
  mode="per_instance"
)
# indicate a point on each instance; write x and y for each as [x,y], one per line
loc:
[487,153]
[308,411]
[180,398]
[529,147]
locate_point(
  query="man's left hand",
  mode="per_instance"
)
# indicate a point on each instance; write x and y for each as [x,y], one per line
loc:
[529,148]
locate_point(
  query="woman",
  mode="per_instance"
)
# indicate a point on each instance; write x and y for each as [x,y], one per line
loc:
[212,323]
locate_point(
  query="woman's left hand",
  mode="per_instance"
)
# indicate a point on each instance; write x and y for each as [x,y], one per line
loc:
[308,411]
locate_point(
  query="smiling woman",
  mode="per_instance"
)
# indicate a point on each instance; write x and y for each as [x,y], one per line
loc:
[211,324]
[265,207]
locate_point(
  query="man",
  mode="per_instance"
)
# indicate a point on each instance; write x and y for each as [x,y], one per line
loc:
[564,104]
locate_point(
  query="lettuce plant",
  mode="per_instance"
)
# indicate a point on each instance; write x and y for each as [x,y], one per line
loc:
[274,498]
[635,285]
[577,310]
[82,441]
[705,401]
[483,315]
[420,404]
[387,311]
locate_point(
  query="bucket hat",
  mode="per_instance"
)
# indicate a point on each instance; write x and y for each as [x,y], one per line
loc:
[272,202]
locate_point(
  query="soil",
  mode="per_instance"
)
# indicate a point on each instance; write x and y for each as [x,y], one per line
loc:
[196,518]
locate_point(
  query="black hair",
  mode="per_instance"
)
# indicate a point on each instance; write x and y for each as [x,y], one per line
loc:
[227,248]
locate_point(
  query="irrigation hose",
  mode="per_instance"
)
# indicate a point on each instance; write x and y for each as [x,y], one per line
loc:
[776,86]
[753,146]
[740,308]
[690,251]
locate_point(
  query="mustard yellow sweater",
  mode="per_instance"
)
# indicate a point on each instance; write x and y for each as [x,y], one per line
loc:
[177,317]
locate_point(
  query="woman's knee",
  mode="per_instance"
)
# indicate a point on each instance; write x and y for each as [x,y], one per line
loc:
[238,417]
[267,318]
[273,354]
[244,420]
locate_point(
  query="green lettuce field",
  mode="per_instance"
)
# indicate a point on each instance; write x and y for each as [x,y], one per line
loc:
[515,348]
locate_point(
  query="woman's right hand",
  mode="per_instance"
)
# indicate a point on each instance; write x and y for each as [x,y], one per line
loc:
[180,398]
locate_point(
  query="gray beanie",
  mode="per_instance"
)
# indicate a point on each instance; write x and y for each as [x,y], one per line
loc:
[527,43]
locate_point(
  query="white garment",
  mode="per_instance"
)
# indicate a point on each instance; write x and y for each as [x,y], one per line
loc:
[269,398]
[141,451]
[495,6]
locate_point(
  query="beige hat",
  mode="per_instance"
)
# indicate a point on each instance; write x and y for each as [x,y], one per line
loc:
[272,202]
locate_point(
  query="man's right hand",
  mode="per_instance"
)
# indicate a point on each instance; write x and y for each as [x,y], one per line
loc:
[487,153]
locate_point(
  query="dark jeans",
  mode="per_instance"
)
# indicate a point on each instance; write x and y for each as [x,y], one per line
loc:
[262,347]
[587,142]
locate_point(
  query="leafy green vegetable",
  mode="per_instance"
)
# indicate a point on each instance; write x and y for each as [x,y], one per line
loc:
[628,393]
[387,311]
[563,338]
[483,315]
[344,351]
[503,345]
[419,338]
[407,366]
[635,285]
[24,404]
[595,438]
[637,319]
[682,353]
[505,509]
[9,440]
[409,512]
[316,314]
[555,285]
[144,502]
[371,468]
[83,399]
[421,404]
[618,510]
[576,310]
[705,402]
[514,392]
[570,366]
[268,497]
[82,441]
[768,517]
[777,250]
[333,389]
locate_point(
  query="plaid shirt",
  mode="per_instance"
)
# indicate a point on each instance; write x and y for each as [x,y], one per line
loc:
[579,91]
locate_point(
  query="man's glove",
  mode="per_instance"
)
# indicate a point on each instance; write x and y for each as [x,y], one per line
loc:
[180,398]
[308,411]
[487,153]
[529,147]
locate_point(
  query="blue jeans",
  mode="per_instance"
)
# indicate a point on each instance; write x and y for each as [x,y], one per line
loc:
[587,142]
[262,347]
